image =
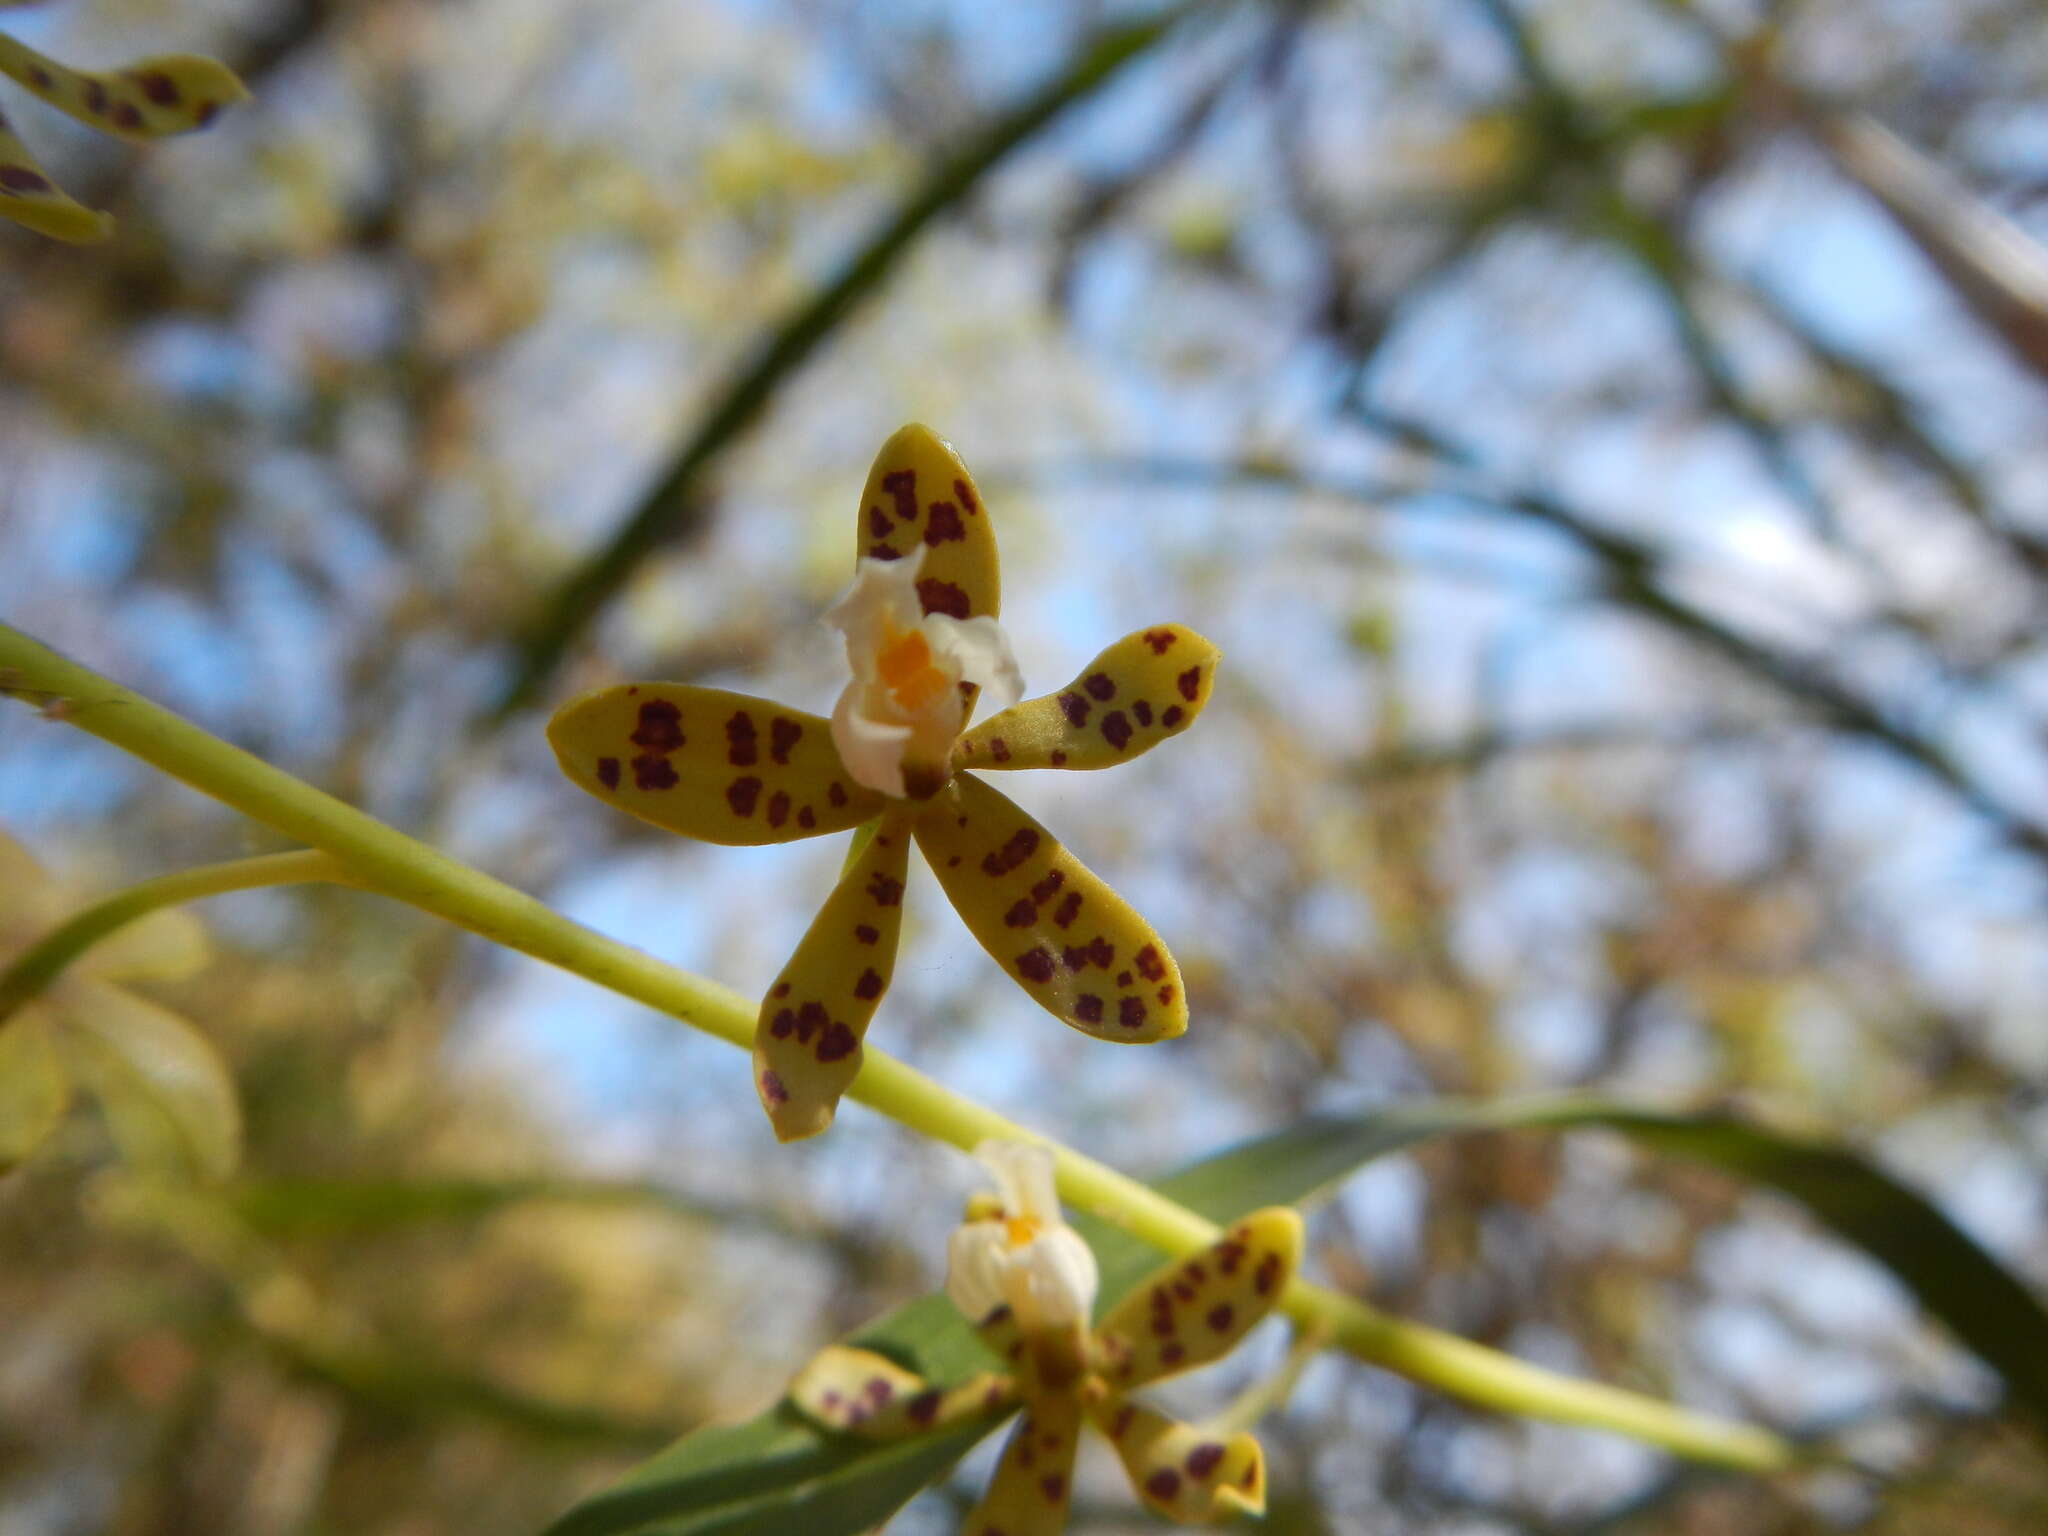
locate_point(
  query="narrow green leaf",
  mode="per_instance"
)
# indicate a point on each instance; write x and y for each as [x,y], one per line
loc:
[166,1094]
[34,1087]
[775,1476]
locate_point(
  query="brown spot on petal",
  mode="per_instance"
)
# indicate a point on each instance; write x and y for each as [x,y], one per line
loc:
[783,1025]
[1068,908]
[883,552]
[836,793]
[878,522]
[652,772]
[1088,1008]
[1058,759]
[869,986]
[837,1043]
[1123,978]
[1189,683]
[608,772]
[782,735]
[1166,997]
[40,78]
[1161,640]
[772,1089]
[1163,1484]
[158,87]
[1035,964]
[1173,716]
[1203,1458]
[943,597]
[886,890]
[741,795]
[659,728]
[1043,891]
[1053,1486]
[1100,685]
[127,115]
[739,740]
[1173,1354]
[1021,845]
[781,989]
[1116,730]
[1221,1317]
[924,1407]
[944,524]
[807,818]
[95,98]
[902,488]
[1131,1012]
[1022,913]
[1150,966]
[999,749]
[778,809]
[1076,709]
[866,934]
[1267,1275]
[1143,710]
[811,1019]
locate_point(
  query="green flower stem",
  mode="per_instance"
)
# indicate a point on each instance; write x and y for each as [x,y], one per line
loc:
[387,861]
[39,964]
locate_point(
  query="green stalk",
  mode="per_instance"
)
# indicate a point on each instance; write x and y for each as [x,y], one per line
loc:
[387,861]
[39,965]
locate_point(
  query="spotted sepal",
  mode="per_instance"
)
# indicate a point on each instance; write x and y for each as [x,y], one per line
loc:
[858,1392]
[920,494]
[1183,1471]
[807,1040]
[1069,940]
[148,99]
[1192,1311]
[29,197]
[1032,1483]
[709,764]
[1148,686]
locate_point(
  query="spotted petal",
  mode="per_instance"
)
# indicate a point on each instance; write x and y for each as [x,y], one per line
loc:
[859,1392]
[717,766]
[1029,1492]
[1195,1310]
[807,1041]
[1148,686]
[920,493]
[149,99]
[28,196]
[1180,1470]
[1069,940]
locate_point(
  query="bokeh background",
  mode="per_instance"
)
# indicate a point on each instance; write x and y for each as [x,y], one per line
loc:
[1607,437]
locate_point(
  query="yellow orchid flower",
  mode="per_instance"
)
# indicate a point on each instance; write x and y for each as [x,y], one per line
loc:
[148,99]
[922,642]
[167,1097]
[1027,1282]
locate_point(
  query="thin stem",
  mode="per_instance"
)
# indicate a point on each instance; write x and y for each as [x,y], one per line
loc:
[41,963]
[387,861]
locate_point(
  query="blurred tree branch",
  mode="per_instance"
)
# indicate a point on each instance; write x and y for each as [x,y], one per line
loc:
[676,501]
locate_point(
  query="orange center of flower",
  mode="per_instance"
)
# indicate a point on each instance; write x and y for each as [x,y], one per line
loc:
[1019,1230]
[906,669]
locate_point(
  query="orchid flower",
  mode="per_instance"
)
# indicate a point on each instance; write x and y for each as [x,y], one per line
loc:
[1027,1282]
[148,99]
[165,1093]
[922,643]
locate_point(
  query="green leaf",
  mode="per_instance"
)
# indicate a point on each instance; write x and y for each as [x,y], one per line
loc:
[34,1087]
[166,1094]
[776,1476]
